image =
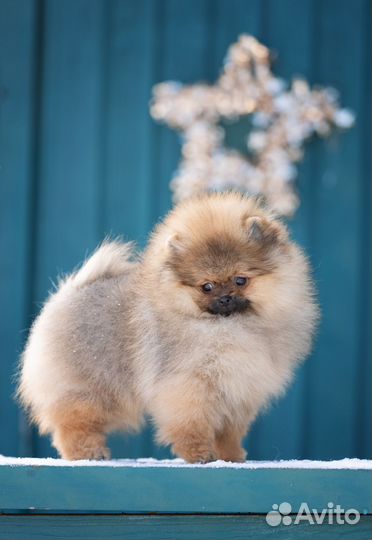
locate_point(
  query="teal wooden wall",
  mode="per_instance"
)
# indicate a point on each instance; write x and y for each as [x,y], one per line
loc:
[80,158]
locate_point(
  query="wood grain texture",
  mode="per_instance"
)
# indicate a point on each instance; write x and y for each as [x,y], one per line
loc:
[227,527]
[127,141]
[184,43]
[180,490]
[69,145]
[18,123]
[339,184]
[363,427]
[289,61]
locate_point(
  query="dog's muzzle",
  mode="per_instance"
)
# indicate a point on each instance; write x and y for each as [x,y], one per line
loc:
[226,305]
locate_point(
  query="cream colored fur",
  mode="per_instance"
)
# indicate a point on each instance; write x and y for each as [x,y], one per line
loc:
[122,337]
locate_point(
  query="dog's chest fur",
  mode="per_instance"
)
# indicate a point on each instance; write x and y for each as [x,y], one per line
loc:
[240,362]
[233,357]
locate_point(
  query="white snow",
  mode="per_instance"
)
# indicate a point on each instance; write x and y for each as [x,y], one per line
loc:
[347,463]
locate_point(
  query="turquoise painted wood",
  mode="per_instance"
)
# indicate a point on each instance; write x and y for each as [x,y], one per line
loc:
[227,527]
[291,60]
[191,490]
[17,98]
[81,158]
[107,502]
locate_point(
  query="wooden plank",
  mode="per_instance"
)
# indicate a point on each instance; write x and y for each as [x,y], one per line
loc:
[228,527]
[279,434]
[182,55]
[131,57]
[70,143]
[148,42]
[127,141]
[339,187]
[230,19]
[179,489]
[18,25]
[363,423]
[70,137]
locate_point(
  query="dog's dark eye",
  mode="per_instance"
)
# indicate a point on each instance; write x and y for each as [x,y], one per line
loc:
[207,287]
[240,281]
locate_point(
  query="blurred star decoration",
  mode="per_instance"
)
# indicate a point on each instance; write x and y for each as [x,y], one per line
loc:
[283,118]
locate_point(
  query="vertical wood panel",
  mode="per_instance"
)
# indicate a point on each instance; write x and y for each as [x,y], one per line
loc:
[270,439]
[338,186]
[18,19]
[128,174]
[130,77]
[232,18]
[363,420]
[69,141]
[183,52]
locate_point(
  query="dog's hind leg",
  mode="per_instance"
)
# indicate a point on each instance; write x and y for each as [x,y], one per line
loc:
[79,432]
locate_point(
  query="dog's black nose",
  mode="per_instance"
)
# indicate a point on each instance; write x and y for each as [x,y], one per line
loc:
[225,300]
[226,305]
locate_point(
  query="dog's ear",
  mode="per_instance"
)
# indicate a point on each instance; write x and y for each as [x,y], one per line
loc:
[261,231]
[255,226]
[174,244]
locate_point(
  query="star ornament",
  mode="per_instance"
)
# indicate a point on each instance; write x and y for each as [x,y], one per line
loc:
[283,118]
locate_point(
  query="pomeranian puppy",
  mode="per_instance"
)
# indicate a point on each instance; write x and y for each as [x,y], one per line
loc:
[200,332]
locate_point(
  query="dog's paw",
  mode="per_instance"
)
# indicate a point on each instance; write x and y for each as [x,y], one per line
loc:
[238,455]
[83,452]
[101,453]
[196,453]
[77,445]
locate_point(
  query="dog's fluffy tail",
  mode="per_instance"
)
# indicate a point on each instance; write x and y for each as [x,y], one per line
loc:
[111,259]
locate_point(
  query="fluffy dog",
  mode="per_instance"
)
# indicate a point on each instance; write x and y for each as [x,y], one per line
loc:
[200,333]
